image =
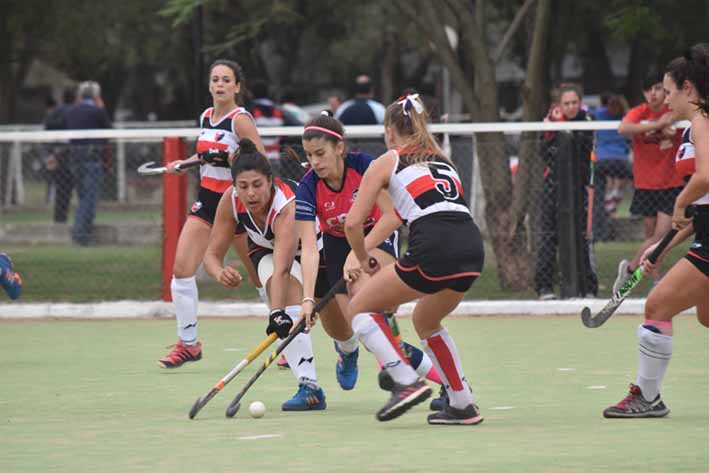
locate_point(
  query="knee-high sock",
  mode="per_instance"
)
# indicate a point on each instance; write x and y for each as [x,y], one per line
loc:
[186,298]
[654,354]
[371,335]
[348,346]
[299,353]
[441,348]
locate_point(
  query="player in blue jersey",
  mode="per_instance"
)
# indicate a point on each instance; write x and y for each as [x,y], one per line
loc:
[10,280]
[323,198]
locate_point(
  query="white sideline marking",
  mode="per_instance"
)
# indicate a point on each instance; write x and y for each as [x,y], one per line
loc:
[233,349]
[595,387]
[259,437]
[166,310]
[502,408]
[566,369]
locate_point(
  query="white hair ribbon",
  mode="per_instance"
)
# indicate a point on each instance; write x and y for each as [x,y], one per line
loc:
[410,102]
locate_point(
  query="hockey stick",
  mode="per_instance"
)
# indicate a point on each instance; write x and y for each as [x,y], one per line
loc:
[202,401]
[147,169]
[637,276]
[297,330]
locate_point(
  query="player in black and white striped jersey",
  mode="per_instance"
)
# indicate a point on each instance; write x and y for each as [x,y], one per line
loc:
[444,257]
[263,209]
[686,284]
[222,125]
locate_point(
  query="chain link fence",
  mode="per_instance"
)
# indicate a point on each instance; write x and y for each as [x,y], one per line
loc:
[80,218]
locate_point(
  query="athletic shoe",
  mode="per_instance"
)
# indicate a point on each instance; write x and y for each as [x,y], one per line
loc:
[404,398]
[634,405]
[9,279]
[306,399]
[346,368]
[622,276]
[181,354]
[454,416]
[441,402]
[283,363]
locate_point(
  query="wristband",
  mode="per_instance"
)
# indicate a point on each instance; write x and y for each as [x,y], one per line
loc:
[308,299]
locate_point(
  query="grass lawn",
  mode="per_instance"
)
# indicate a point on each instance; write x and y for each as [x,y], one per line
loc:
[73,274]
[87,396]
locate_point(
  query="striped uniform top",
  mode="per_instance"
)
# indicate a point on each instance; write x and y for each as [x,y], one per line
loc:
[685,161]
[423,189]
[283,194]
[220,135]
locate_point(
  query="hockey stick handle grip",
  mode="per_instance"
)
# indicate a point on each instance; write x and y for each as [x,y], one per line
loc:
[187,165]
[689,213]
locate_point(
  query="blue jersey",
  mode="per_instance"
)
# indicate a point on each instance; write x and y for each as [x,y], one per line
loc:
[314,198]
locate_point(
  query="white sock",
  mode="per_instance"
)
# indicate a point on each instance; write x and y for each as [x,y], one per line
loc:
[376,342]
[299,353]
[442,351]
[349,345]
[185,297]
[654,354]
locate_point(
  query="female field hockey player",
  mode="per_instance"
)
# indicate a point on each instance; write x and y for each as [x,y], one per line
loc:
[444,257]
[686,285]
[223,125]
[324,196]
[263,209]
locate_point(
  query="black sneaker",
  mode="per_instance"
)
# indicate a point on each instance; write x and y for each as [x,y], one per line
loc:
[454,416]
[634,405]
[441,402]
[404,398]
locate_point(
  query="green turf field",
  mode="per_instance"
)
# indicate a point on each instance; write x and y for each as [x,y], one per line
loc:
[87,396]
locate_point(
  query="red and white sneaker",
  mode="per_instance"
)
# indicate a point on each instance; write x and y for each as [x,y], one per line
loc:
[181,354]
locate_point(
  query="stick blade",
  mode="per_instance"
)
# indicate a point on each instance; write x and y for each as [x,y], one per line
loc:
[232,409]
[196,407]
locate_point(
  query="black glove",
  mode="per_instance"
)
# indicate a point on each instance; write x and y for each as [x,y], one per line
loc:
[280,323]
[215,157]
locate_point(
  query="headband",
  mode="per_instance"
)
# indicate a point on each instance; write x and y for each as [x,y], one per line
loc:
[409,102]
[323,130]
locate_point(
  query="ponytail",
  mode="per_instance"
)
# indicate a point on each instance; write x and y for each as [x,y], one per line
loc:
[408,117]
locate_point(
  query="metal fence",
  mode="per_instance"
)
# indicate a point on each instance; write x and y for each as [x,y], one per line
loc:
[526,185]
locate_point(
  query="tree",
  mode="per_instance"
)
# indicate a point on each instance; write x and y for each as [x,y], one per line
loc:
[472,68]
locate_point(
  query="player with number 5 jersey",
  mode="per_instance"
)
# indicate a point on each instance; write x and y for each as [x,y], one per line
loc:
[444,257]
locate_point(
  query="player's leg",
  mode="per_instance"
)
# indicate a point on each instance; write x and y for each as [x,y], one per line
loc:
[438,343]
[299,352]
[683,287]
[191,246]
[380,292]
[386,254]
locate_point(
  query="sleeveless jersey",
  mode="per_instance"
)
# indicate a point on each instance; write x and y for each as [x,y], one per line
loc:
[423,189]
[685,161]
[262,237]
[220,135]
[315,199]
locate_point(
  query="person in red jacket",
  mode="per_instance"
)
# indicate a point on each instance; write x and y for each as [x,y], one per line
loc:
[657,184]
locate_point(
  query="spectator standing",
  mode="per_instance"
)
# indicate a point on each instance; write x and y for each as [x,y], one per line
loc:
[568,109]
[334,102]
[657,184]
[266,113]
[86,163]
[61,182]
[612,165]
[362,109]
